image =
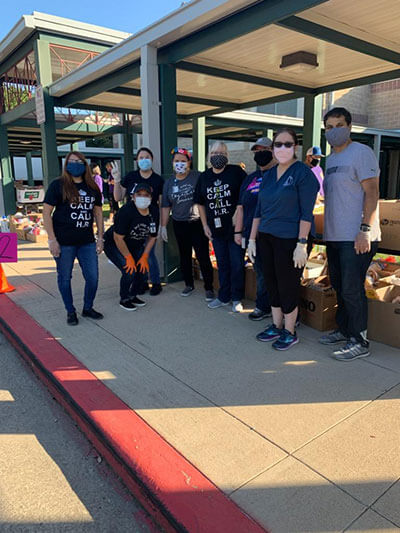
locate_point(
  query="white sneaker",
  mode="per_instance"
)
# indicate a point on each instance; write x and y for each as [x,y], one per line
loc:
[237,307]
[217,303]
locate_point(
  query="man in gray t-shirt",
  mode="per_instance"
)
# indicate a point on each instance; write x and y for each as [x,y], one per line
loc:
[351,231]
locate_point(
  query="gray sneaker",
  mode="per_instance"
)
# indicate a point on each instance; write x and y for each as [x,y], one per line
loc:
[217,303]
[352,350]
[187,291]
[210,296]
[335,337]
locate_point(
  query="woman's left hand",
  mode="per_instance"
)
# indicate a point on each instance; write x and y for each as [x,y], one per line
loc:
[99,246]
[143,264]
[300,255]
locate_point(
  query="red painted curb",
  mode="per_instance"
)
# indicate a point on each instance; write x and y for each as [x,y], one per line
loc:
[176,493]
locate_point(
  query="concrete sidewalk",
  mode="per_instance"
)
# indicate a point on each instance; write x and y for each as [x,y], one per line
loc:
[299,441]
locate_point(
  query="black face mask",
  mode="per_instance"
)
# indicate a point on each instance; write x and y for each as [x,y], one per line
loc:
[314,162]
[263,158]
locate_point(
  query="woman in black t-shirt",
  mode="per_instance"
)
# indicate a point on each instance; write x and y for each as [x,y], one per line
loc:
[71,204]
[129,242]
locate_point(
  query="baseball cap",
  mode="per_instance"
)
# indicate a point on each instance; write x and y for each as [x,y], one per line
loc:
[262,141]
[142,187]
[315,150]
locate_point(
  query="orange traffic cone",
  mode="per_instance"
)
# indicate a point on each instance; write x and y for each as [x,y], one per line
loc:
[4,285]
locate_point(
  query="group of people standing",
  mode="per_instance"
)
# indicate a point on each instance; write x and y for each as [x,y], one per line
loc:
[268,213]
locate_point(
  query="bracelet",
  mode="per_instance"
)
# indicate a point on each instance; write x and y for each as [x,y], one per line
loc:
[237,232]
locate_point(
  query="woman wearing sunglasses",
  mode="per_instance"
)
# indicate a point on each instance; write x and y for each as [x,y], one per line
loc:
[178,201]
[283,221]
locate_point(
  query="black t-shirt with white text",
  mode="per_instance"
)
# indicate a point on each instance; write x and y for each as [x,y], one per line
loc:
[219,193]
[135,227]
[73,221]
[154,180]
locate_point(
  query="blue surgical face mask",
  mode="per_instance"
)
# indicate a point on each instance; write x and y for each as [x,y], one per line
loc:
[337,136]
[145,164]
[75,168]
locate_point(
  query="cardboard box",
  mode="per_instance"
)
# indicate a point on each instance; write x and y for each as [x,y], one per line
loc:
[389,214]
[384,317]
[250,287]
[318,307]
[21,234]
[36,238]
[319,224]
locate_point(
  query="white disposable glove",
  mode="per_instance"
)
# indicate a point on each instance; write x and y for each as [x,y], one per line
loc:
[115,172]
[163,233]
[300,255]
[251,250]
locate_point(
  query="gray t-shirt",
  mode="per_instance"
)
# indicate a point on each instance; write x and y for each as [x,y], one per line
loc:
[344,195]
[178,194]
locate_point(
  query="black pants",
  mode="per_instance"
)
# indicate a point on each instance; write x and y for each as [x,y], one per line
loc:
[282,278]
[347,271]
[191,235]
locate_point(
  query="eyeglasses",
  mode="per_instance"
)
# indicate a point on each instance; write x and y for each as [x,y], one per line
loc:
[287,144]
[182,151]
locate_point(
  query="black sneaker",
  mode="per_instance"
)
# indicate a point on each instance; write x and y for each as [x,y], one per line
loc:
[210,296]
[127,305]
[91,313]
[138,302]
[155,289]
[259,314]
[187,291]
[72,319]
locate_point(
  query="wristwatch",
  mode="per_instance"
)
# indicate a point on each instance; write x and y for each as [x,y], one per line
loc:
[365,228]
[302,241]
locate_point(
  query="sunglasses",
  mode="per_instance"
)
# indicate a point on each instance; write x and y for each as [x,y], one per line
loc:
[182,151]
[279,144]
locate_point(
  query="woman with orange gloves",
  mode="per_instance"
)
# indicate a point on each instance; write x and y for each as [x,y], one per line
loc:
[129,241]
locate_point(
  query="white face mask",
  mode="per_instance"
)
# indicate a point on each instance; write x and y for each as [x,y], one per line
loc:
[142,202]
[283,155]
[180,167]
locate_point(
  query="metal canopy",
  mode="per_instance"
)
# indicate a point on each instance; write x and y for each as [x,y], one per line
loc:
[233,62]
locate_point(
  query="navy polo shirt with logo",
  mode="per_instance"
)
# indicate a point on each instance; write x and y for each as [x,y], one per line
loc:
[283,203]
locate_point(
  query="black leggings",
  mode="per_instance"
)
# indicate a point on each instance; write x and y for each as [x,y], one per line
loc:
[282,278]
[191,235]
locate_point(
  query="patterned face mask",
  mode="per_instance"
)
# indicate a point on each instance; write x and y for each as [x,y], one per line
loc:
[218,161]
[180,167]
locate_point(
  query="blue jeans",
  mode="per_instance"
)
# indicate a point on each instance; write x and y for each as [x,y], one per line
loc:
[87,258]
[347,272]
[154,269]
[230,260]
[262,300]
[129,283]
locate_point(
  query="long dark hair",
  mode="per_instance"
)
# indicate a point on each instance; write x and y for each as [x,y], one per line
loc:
[69,190]
[291,132]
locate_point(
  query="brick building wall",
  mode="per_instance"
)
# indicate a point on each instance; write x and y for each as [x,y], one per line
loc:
[384,105]
[356,100]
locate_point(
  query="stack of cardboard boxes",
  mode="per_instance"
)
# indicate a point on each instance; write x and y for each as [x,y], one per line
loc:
[28,227]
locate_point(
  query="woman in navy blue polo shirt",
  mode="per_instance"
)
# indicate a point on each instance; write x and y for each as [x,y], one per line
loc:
[284,221]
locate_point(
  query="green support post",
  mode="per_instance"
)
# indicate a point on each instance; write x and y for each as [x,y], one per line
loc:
[169,137]
[199,143]
[312,122]
[7,178]
[128,146]
[29,168]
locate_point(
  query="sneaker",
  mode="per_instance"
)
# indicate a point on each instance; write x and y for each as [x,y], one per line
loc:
[127,305]
[237,307]
[285,341]
[187,291]
[72,319]
[270,334]
[217,303]
[335,337]
[351,350]
[210,296]
[258,314]
[137,302]
[155,289]
[91,313]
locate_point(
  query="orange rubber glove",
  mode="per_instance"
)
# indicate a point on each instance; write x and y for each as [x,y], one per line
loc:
[143,263]
[130,266]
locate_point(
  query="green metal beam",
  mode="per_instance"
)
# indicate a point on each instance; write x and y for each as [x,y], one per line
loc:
[129,160]
[239,24]
[51,167]
[101,85]
[29,168]
[105,108]
[232,123]
[129,91]
[18,112]
[366,80]
[43,62]
[240,76]
[312,122]
[199,143]
[6,172]
[66,126]
[345,40]
[73,43]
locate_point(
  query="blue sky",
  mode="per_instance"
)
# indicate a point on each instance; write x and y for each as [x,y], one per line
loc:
[124,15]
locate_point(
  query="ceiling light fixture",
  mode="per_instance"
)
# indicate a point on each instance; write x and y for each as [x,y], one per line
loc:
[26,142]
[299,62]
